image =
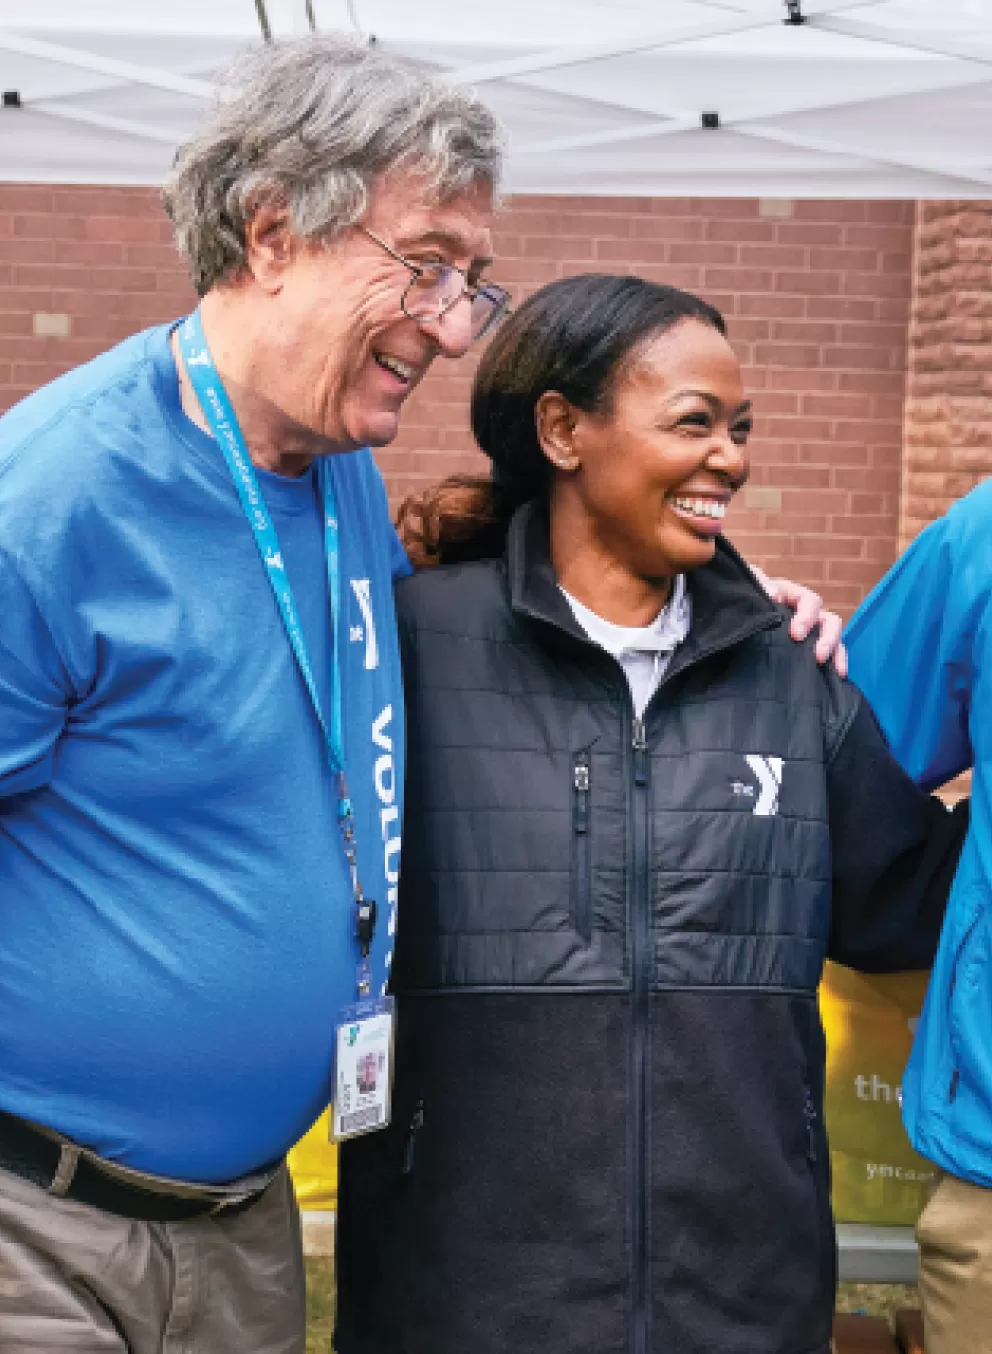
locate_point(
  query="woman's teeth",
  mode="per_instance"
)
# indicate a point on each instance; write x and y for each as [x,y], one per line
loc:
[702,507]
[402,370]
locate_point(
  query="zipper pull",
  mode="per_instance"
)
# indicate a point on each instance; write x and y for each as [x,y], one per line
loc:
[952,1090]
[810,1113]
[410,1152]
[580,780]
[640,745]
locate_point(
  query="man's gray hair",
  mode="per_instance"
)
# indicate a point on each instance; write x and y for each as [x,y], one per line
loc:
[314,122]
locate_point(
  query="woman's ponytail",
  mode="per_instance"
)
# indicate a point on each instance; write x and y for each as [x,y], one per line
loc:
[465,517]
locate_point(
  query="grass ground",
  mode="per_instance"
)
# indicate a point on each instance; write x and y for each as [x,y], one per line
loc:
[320,1304]
[875,1298]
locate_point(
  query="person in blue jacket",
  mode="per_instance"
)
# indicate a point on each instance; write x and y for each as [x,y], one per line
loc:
[920,648]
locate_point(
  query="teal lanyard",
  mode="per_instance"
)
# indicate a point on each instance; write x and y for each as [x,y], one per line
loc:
[223,424]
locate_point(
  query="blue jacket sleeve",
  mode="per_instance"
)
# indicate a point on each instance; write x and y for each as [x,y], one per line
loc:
[35,687]
[915,641]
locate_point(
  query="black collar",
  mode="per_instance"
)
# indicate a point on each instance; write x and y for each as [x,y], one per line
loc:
[728,603]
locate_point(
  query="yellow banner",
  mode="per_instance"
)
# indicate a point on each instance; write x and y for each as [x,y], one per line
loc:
[869,1021]
[313,1164]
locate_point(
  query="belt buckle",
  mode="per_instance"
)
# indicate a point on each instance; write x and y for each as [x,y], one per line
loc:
[223,1204]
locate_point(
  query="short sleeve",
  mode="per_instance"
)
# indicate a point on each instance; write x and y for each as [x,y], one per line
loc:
[35,687]
[382,524]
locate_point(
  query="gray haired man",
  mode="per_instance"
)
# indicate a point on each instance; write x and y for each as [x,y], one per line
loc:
[182,734]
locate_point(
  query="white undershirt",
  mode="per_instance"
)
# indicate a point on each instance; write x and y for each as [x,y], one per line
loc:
[643,651]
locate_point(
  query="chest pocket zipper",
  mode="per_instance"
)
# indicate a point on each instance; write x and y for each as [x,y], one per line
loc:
[580,899]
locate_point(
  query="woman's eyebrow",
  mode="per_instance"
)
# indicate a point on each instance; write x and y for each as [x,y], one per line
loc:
[709,398]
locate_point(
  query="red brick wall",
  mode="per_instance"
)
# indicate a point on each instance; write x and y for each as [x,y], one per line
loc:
[101,256]
[949,398]
[817,301]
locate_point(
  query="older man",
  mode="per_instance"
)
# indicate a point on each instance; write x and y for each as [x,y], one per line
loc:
[179,916]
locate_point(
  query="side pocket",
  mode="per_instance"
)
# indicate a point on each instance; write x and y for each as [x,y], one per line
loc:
[969,1006]
[412,1139]
[818,1161]
[580,888]
[810,1115]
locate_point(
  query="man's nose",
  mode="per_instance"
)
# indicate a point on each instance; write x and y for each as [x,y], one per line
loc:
[452,331]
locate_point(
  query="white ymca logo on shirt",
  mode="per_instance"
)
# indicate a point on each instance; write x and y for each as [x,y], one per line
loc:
[362,589]
[768,772]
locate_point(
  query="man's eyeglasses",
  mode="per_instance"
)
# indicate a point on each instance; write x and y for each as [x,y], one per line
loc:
[434,288]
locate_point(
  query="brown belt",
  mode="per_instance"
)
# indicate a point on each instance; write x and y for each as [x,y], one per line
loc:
[71,1172]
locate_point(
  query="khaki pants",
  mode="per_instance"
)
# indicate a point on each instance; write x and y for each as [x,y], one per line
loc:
[955,1238]
[75,1278]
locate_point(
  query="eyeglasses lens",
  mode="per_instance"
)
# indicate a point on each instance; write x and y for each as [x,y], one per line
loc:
[438,288]
[488,307]
[433,292]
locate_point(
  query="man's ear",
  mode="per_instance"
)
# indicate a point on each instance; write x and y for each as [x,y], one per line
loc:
[269,244]
[554,419]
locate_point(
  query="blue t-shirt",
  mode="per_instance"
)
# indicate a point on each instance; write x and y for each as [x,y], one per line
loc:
[176,922]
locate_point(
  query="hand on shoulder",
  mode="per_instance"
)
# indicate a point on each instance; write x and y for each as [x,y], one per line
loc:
[808,614]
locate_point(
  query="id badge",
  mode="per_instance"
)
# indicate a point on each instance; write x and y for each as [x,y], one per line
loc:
[363,1073]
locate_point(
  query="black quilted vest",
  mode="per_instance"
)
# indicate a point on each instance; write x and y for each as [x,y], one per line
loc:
[607,1131]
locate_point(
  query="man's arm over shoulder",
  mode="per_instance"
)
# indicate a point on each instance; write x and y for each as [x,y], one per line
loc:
[894,848]
[915,644]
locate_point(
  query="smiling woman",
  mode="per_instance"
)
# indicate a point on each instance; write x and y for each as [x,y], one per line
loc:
[620,402]
[638,818]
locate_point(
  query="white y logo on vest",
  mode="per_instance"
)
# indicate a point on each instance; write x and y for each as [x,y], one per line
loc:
[362,589]
[768,770]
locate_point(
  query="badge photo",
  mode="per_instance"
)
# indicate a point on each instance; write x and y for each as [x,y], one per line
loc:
[363,1070]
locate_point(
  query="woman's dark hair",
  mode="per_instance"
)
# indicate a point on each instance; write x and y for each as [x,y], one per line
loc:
[574,336]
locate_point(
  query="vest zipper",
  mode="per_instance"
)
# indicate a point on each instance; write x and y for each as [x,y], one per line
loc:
[640,974]
[582,848]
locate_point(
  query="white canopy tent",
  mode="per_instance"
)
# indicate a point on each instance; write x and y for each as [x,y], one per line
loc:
[805,98]
[770,98]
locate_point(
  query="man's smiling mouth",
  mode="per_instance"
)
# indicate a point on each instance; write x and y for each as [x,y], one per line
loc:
[403,371]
